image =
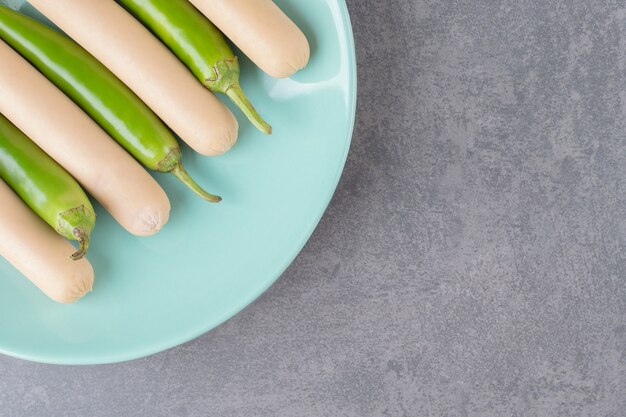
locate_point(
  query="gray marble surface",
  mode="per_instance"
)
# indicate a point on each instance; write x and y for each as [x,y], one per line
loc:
[472,262]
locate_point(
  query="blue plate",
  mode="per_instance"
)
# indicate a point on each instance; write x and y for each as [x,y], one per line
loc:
[210,261]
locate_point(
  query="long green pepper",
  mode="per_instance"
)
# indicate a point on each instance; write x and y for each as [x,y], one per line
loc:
[99,93]
[200,45]
[45,186]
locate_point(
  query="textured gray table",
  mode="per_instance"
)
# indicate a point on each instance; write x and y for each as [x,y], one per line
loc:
[472,262]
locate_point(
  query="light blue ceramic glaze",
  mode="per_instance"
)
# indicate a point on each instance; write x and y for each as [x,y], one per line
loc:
[211,260]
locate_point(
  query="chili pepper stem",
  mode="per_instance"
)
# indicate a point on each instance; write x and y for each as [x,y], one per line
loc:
[77,224]
[180,172]
[83,242]
[236,94]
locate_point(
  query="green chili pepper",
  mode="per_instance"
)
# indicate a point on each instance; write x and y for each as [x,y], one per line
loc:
[99,93]
[200,45]
[45,186]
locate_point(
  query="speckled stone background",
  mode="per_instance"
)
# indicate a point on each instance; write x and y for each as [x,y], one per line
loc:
[472,263]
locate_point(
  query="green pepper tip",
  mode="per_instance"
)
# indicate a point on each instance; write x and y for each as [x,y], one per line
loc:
[180,172]
[236,94]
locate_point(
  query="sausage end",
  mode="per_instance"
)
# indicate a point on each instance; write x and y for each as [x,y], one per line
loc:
[76,287]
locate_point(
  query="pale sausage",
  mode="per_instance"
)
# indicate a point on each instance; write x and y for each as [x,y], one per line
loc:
[39,253]
[262,31]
